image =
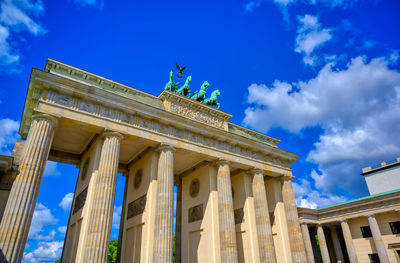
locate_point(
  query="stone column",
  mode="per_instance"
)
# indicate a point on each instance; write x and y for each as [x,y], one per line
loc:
[296,240]
[348,239]
[178,227]
[263,223]
[225,212]
[307,242]
[164,223]
[322,244]
[376,234]
[101,212]
[17,218]
[336,244]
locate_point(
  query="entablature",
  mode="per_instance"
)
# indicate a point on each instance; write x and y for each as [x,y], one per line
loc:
[47,88]
[376,205]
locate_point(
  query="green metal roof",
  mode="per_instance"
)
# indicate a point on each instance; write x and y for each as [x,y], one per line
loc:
[361,199]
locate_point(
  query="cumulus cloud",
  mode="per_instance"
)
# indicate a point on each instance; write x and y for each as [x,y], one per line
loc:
[116,216]
[8,133]
[62,229]
[310,36]
[311,198]
[357,108]
[51,169]
[67,201]
[46,252]
[17,16]
[42,217]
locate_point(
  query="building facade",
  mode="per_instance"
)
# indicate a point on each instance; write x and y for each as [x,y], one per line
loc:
[235,200]
[366,229]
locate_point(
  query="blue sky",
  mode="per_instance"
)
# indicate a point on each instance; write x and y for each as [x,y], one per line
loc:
[321,75]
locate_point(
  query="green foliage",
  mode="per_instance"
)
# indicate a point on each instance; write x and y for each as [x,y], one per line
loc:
[112,251]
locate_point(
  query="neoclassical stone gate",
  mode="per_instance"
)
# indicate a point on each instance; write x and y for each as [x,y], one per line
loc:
[235,200]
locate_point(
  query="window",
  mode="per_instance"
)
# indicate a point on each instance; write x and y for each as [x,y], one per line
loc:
[395,226]
[373,258]
[366,231]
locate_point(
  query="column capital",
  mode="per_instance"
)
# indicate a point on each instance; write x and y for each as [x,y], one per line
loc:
[287,177]
[222,162]
[112,134]
[44,116]
[165,147]
[370,215]
[255,171]
[303,223]
[344,220]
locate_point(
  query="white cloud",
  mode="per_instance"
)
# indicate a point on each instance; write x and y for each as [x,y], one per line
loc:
[17,16]
[310,36]
[51,169]
[309,198]
[46,252]
[62,229]
[67,201]
[116,216]
[42,217]
[8,134]
[357,108]
[6,55]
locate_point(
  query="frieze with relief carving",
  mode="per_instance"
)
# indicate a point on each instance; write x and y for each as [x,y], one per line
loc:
[196,115]
[94,108]
[136,207]
[195,213]
[80,201]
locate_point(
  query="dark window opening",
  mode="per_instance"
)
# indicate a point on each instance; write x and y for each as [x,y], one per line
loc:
[373,258]
[395,226]
[366,232]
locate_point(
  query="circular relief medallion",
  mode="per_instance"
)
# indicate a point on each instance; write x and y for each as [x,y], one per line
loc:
[194,187]
[138,178]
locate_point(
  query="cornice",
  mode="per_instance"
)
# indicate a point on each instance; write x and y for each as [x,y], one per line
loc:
[41,82]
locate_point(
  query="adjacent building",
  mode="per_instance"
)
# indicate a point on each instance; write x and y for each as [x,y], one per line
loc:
[366,229]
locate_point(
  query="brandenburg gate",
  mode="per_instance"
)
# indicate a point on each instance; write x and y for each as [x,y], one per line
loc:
[235,200]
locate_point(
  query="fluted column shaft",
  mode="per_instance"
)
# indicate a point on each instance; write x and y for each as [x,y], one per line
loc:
[376,235]
[296,240]
[225,212]
[336,244]
[307,242]
[322,244]
[101,212]
[348,239]
[163,231]
[17,218]
[263,223]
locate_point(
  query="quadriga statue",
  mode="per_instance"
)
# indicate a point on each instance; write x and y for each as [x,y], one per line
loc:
[213,99]
[185,89]
[201,94]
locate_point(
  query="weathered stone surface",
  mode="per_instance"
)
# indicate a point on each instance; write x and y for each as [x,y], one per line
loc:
[296,240]
[226,214]
[163,230]
[17,218]
[100,215]
[264,230]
